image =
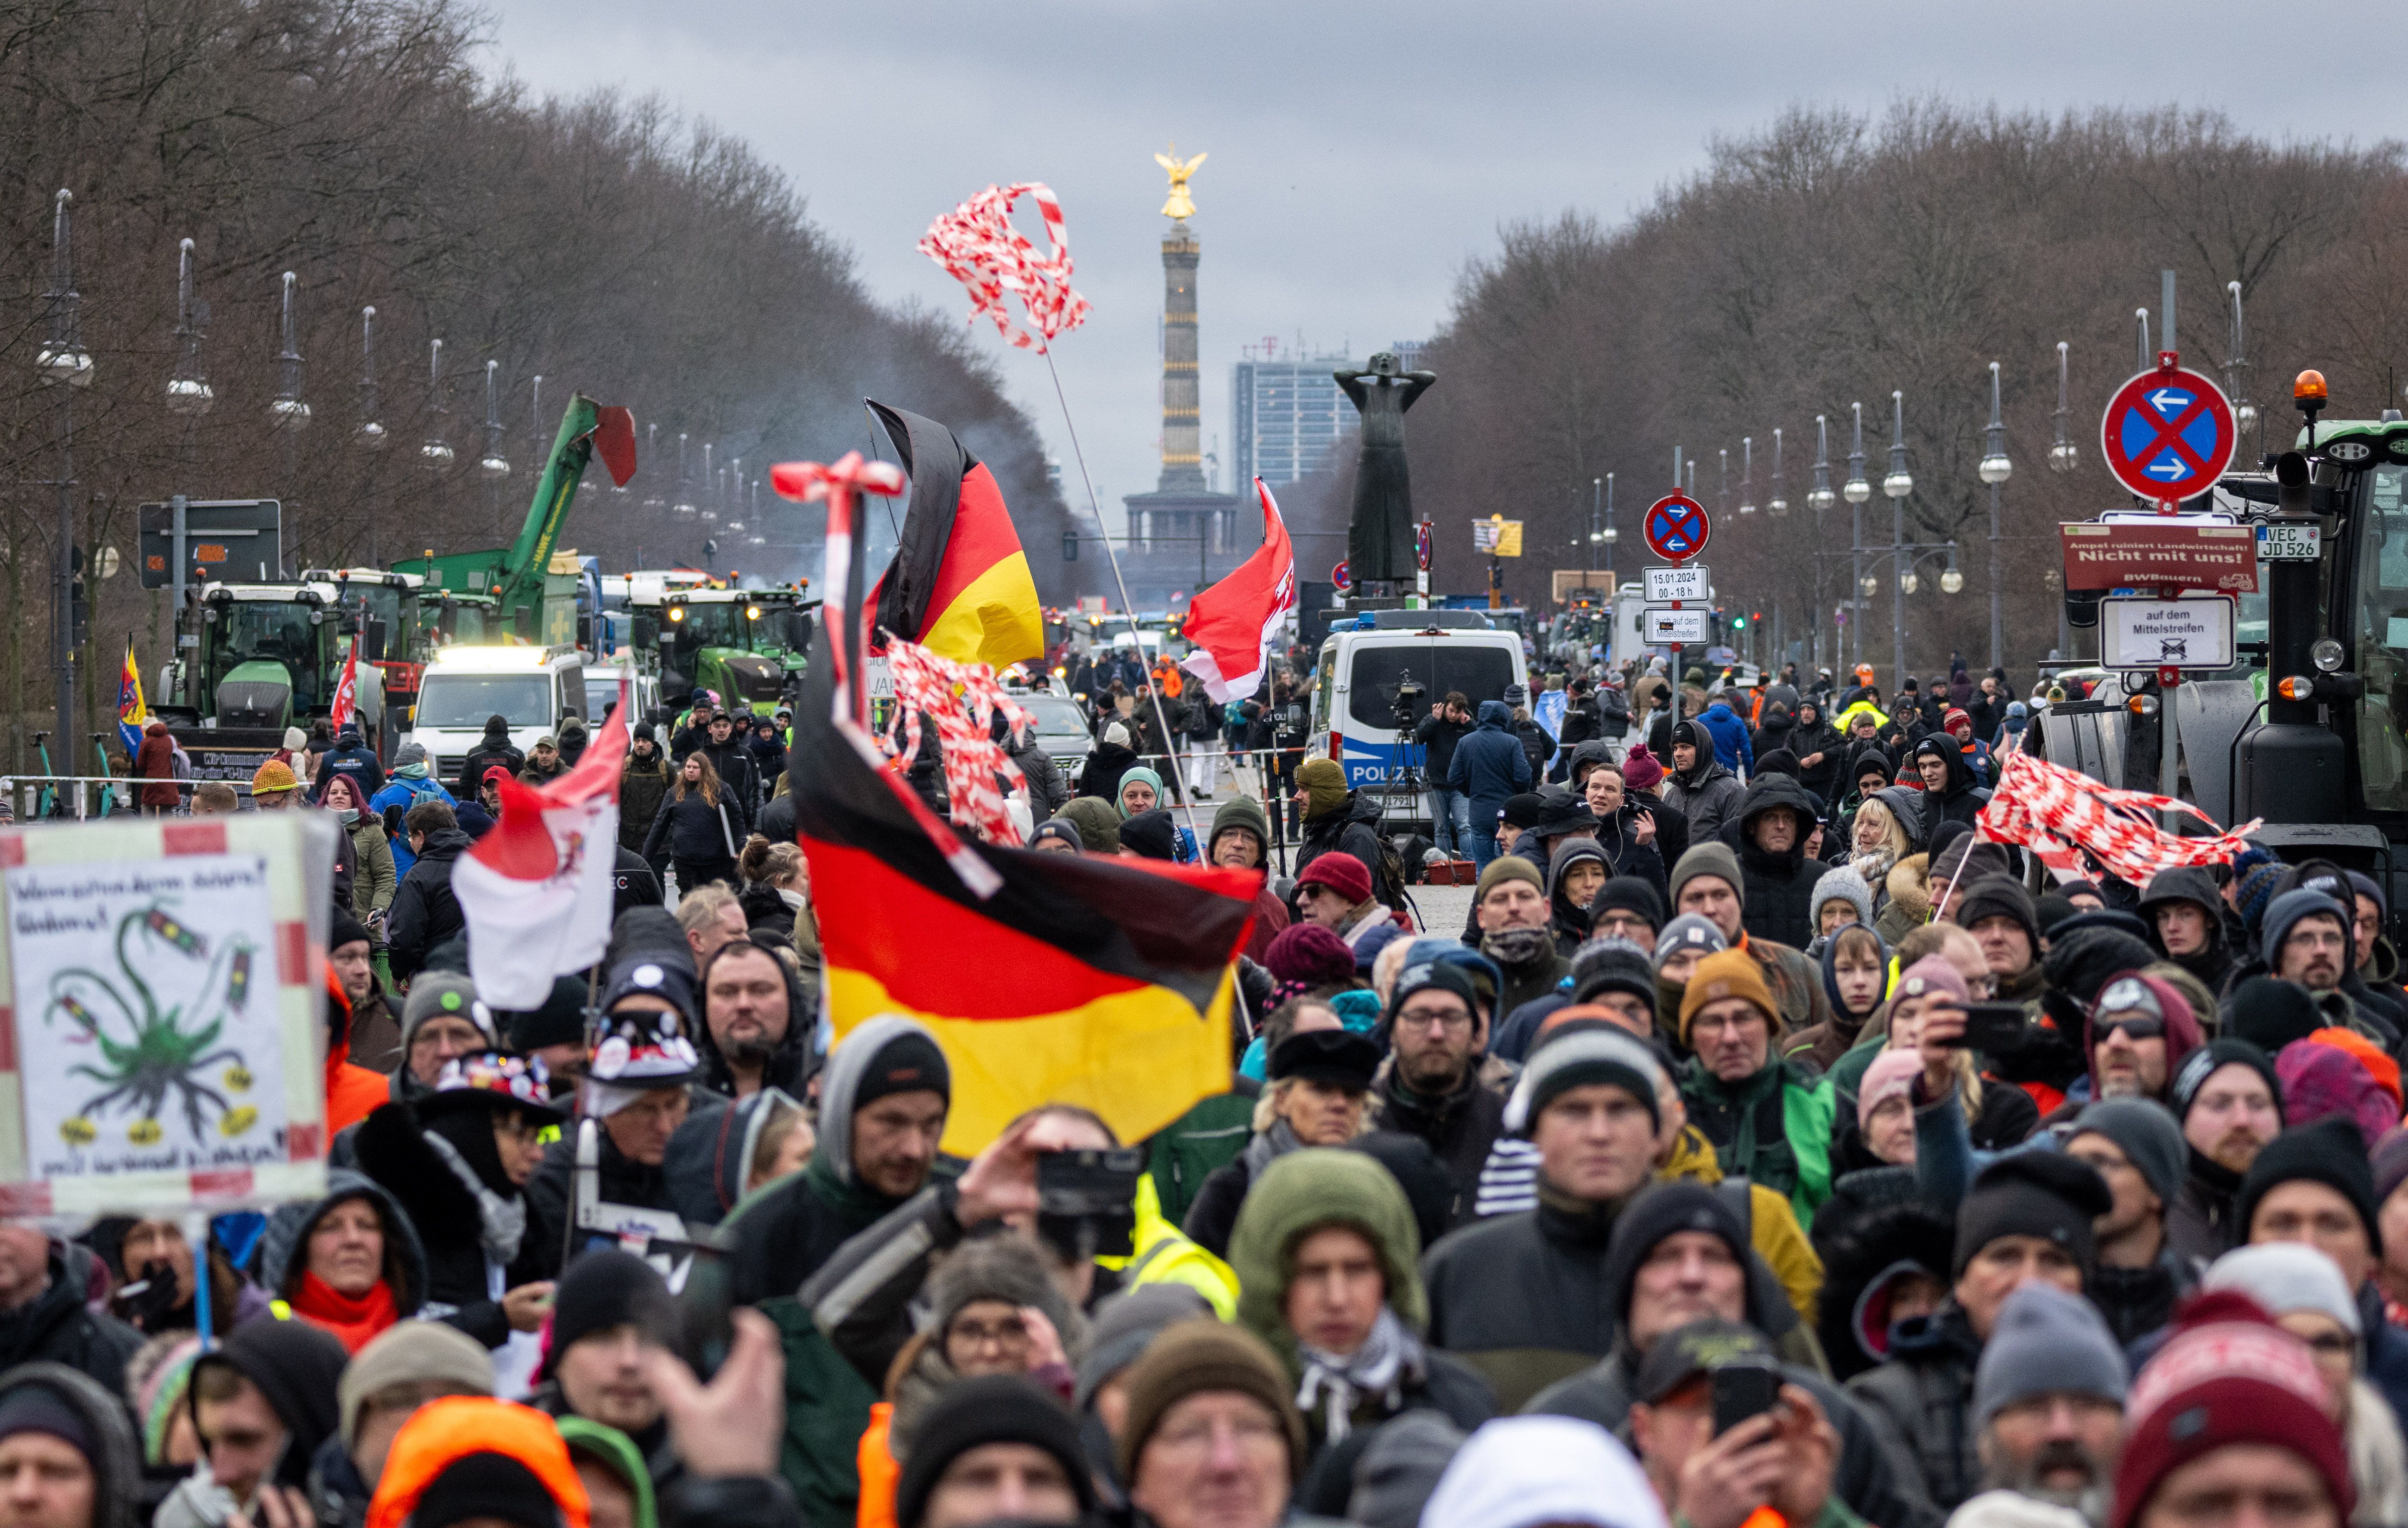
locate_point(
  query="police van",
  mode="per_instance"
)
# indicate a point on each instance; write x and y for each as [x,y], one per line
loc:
[1377,668]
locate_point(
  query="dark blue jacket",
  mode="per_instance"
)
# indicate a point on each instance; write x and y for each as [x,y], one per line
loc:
[354,758]
[1489,764]
[1733,749]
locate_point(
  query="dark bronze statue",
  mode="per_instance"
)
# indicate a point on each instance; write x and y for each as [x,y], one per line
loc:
[1380,531]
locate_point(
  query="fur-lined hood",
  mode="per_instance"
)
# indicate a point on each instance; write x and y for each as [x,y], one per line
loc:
[1909,884]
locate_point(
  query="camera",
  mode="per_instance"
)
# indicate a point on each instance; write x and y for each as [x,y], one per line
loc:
[1408,701]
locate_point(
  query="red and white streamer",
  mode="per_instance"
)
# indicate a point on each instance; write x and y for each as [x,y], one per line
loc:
[2052,810]
[961,699]
[979,247]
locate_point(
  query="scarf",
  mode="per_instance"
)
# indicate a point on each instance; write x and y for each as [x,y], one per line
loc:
[410,771]
[1518,947]
[501,1223]
[353,1321]
[1874,865]
[1389,1357]
[1267,1145]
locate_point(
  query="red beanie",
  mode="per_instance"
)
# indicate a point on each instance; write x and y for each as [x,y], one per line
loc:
[1641,770]
[1341,873]
[2228,1375]
[1309,955]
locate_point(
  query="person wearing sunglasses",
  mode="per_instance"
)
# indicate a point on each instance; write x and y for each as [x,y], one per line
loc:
[2140,1028]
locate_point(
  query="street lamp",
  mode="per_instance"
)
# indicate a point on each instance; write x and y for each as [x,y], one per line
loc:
[189,392]
[286,412]
[1897,484]
[436,453]
[62,357]
[1855,491]
[494,466]
[684,507]
[1994,470]
[2062,455]
[369,435]
[2236,372]
[1779,503]
[1748,474]
[1722,494]
[1820,496]
[1596,501]
[63,360]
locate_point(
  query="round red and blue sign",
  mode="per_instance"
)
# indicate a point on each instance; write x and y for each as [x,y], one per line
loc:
[1676,528]
[2168,434]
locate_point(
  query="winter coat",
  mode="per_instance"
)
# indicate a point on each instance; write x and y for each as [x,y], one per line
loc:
[551,1193]
[642,785]
[284,1245]
[1047,791]
[496,749]
[1821,737]
[1618,836]
[155,759]
[740,780]
[689,827]
[1707,797]
[1536,746]
[391,1148]
[424,912]
[1489,764]
[1356,829]
[354,758]
[1101,776]
[1460,1128]
[1672,825]
[1561,1319]
[372,881]
[1734,749]
[1437,737]
[769,758]
[56,1327]
[1774,1127]
[1921,1402]
[1778,895]
[712,1156]
[406,791]
[1960,801]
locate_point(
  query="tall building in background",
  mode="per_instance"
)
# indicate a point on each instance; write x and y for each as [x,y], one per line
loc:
[1181,536]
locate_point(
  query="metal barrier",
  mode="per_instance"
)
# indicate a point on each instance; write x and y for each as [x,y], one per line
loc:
[25,791]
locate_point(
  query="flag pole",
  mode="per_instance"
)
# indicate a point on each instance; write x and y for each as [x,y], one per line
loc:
[1127,608]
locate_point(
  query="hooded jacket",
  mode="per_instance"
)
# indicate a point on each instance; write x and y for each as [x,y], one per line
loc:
[1489,765]
[1316,1188]
[154,761]
[2211,964]
[116,1467]
[1808,739]
[1709,794]
[391,1148]
[1921,1402]
[1354,828]
[1959,801]
[1570,920]
[424,912]
[643,784]
[1779,894]
[712,1156]
[295,1367]
[57,1327]
[495,748]
[789,1063]
[284,1247]
[1618,836]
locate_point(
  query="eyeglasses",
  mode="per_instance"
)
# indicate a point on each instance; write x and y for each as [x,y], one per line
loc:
[1452,1018]
[1010,1335]
[1255,1434]
[2132,1029]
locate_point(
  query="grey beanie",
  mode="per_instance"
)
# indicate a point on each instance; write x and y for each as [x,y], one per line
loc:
[1713,857]
[2046,1342]
[1578,1060]
[1690,930]
[1844,882]
[2289,909]
[2145,1132]
[2284,1276]
[408,753]
[1398,1474]
[1124,1324]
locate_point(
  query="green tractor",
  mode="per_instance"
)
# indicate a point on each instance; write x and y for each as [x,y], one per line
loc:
[267,656]
[745,645]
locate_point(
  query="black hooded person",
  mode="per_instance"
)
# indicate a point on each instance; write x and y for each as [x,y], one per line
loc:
[458,1160]
[1949,792]
[756,1030]
[263,1403]
[2185,912]
[1576,868]
[67,1451]
[1779,896]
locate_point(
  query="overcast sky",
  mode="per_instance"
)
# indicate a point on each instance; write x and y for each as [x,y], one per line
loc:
[1360,155]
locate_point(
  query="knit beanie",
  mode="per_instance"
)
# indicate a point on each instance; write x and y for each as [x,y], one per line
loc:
[1324,787]
[1891,1076]
[603,1288]
[1612,965]
[1841,883]
[1191,1358]
[33,1406]
[1520,812]
[2191,1074]
[2145,1132]
[1309,955]
[2390,1162]
[2326,1082]
[2284,1276]
[907,1063]
[2000,896]
[1124,1324]
[1932,975]
[561,1020]
[972,1413]
[407,1352]
[444,992]
[2329,1152]
[273,778]
[2046,1194]
[1507,867]
[1640,769]
[1579,1059]
[1731,974]
[2288,910]
[1711,858]
[1337,870]
[1689,932]
[1661,1211]
[486,1485]
[2270,1013]
[2046,1342]
[1628,894]
[346,929]
[2228,1375]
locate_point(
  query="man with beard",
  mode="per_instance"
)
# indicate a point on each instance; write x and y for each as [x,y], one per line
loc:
[2048,1397]
[748,1013]
[2136,1148]
[2230,1104]
[2308,939]
[2141,1029]
[1511,908]
[1431,1084]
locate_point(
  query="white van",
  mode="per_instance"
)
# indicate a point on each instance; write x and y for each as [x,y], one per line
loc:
[1362,670]
[533,688]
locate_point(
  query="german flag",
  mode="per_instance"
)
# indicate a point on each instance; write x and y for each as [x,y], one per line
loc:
[1046,977]
[960,584]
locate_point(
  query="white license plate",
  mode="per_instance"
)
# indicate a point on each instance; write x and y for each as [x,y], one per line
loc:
[2287,544]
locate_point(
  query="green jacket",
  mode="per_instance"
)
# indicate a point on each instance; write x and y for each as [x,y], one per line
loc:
[1775,1128]
[1184,1152]
[1303,1191]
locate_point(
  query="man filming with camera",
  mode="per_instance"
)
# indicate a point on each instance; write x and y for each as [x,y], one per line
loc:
[1450,809]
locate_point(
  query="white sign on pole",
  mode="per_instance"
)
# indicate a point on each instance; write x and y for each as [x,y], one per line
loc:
[1675,626]
[2192,633]
[1685,583]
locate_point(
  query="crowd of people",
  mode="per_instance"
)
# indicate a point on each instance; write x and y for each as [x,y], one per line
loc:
[1765,1148]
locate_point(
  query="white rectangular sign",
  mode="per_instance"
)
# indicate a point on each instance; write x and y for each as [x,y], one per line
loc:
[1675,626]
[1683,582]
[2194,632]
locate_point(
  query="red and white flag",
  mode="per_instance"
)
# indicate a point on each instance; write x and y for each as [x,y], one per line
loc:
[2052,810]
[1233,623]
[537,889]
[347,693]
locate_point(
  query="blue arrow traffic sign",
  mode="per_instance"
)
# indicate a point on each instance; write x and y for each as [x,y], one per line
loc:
[2168,434]
[1676,528]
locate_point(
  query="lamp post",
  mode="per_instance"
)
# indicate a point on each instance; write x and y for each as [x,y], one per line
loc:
[2236,371]
[1596,500]
[287,412]
[1778,505]
[65,364]
[1895,486]
[369,434]
[682,505]
[436,453]
[1855,491]
[1748,474]
[1994,470]
[1819,498]
[189,392]
[2063,457]
[1612,535]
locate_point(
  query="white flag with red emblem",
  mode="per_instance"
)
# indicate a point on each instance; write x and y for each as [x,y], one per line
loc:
[1235,622]
[347,693]
[538,888]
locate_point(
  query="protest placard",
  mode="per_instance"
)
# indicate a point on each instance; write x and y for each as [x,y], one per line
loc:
[163,1048]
